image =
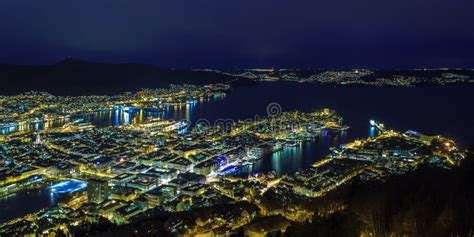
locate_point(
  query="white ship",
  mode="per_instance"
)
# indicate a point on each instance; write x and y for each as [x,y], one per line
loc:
[255,154]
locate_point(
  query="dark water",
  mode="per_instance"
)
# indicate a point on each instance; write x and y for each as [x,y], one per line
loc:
[292,159]
[27,201]
[431,110]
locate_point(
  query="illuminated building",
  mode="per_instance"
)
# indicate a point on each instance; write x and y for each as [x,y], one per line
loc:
[143,184]
[161,141]
[122,179]
[97,190]
[38,139]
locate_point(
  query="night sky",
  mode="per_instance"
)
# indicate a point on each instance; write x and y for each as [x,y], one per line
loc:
[241,33]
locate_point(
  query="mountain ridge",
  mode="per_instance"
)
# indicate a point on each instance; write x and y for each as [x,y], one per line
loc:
[79,77]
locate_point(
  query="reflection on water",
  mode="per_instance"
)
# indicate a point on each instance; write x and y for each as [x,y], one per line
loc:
[372,131]
[119,117]
[28,201]
[116,117]
[294,158]
[35,126]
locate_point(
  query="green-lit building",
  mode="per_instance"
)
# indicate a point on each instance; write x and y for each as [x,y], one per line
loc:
[97,190]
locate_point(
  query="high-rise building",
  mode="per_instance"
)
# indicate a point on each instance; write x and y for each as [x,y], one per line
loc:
[97,190]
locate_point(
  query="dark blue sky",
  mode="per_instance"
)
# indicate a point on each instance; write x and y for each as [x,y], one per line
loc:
[241,33]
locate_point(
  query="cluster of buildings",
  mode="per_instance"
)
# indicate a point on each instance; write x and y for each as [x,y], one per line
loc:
[404,78]
[136,169]
[149,171]
[386,154]
[29,111]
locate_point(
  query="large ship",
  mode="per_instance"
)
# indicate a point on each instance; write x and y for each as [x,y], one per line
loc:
[129,109]
[278,146]
[79,125]
[126,108]
[293,140]
[177,126]
[36,121]
[255,153]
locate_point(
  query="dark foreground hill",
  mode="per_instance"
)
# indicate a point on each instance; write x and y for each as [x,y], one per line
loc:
[427,202]
[78,77]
